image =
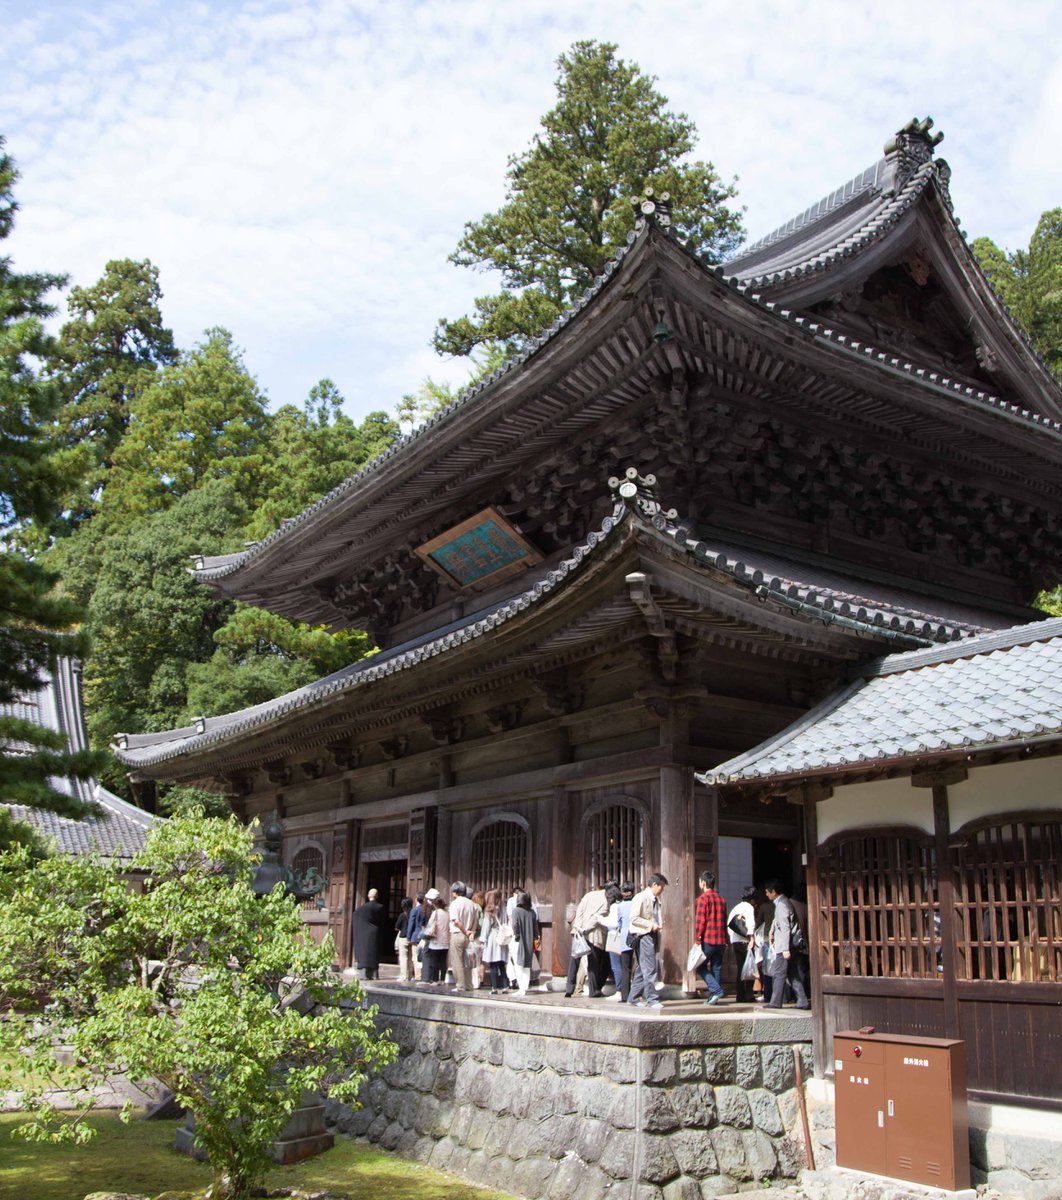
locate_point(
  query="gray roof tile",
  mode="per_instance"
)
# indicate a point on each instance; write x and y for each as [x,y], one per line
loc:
[996,689]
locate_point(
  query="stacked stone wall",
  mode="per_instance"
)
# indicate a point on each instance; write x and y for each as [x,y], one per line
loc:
[544,1104]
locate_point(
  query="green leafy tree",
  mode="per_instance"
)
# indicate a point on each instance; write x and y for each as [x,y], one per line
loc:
[1029,282]
[201,418]
[36,621]
[571,198]
[310,451]
[107,354]
[261,655]
[196,982]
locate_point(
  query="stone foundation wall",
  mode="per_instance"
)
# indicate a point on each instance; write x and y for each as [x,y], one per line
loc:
[560,1103]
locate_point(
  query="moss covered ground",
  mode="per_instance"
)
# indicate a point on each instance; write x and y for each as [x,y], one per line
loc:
[140,1158]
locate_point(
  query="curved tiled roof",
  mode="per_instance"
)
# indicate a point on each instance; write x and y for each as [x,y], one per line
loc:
[817,593]
[998,689]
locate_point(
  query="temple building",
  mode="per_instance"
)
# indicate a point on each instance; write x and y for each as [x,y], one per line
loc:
[709,501]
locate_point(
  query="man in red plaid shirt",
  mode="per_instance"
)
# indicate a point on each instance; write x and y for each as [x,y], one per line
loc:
[710,931]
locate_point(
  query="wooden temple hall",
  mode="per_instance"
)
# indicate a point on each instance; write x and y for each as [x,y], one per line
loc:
[618,586]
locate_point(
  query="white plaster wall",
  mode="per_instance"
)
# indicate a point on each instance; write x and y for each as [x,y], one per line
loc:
[884,802]
[1006,787]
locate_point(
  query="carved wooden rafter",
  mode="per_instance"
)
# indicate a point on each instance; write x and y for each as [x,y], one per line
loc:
[505,716]
[395,747]
[445,728]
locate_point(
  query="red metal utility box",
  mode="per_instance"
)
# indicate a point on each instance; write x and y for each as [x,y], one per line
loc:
[901,1107]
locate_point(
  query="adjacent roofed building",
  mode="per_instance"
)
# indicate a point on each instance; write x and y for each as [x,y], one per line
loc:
[695,509]
[117,830]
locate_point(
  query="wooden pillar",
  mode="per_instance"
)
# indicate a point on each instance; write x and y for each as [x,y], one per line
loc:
[939,781]
[811,798]
[565,875]
[676,862]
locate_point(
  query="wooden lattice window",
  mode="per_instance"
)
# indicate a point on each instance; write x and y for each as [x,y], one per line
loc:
[499,856]
[615,845]
[1008,900]
[878,906]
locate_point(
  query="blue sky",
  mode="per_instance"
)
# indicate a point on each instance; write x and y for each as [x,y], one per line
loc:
[299,171]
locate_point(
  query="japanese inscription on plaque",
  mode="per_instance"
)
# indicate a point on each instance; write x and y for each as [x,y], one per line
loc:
[480,551]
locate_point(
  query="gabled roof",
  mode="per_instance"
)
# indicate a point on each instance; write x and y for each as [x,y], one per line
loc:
[861,616]
[900,202]
[599,357]
[118,829]
[999,689]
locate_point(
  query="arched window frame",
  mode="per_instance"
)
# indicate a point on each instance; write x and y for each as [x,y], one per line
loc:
[623,864]
[513,874]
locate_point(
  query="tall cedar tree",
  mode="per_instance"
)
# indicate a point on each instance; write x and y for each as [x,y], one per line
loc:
[36,622]
[1030,283]
[572,199]
[108,353]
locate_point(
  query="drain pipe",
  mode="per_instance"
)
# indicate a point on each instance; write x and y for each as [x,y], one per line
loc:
[803,1108]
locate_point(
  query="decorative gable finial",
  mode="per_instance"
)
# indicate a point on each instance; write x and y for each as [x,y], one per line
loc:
[639,492]
[656,208]
[912,147]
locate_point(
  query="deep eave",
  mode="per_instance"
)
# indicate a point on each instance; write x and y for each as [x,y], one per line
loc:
[787,603]
[532,404]
[999,691]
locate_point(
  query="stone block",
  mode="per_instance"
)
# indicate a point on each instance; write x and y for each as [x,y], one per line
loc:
[623,1112]
[394,1105]
[732,1107]
[747,1069]
[779,1072]
[494,1051]
[421,1149]
[464,1115]
[590,1139]
[461,1161]
[1036,1157]
[445,1079]
[530,1177]
[657,1114]
[719,1063]
[730,1151]
[658,1164]
[406,1143]
[659,1066]
[718,1185]
[682,1188]
[566,1182]
[480,1124]
[691,1064]
[620,1064]
[392,1135]
[442,1153]
[566,1093]
[421,1076]
[597,1096]
[519,1097]
[792,1157]
[557,1137]
[377,1128]
[498,1136]
[427,1108]
[789,1110]
[461,1042]
[1014,1183]
[479,1084]
[444,1118]
[765,1112]
[617,1158]
[444,1039]
[503,1084]
[559,1056]
[694,1153]
[759,1153]
[543,1098]
[694,1104]
[589,1058]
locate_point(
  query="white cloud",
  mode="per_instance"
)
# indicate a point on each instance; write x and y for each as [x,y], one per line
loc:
[300,170]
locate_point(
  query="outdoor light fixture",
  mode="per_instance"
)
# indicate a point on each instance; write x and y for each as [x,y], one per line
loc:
[662,333]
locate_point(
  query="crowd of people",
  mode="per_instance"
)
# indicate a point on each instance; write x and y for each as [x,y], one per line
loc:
[479,939]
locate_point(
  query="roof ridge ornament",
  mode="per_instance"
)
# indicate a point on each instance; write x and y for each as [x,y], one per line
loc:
[911,147]
[639,493]
[656,208]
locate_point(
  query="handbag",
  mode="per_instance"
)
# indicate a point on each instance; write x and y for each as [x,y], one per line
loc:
[580,946]
[696,957]
[505,935]
[738,926]
[612,942]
